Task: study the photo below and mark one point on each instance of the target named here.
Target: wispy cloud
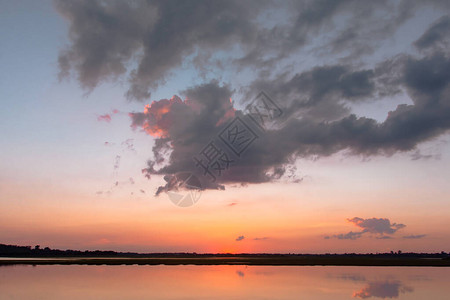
(346, 236)
(418, 236)
(104, 118)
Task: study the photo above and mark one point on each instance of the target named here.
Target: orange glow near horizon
(69, 217)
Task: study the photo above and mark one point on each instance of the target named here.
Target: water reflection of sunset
(222, 282)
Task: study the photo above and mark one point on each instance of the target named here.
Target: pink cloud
(105, 117)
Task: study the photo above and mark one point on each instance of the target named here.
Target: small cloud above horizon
(381, 228)
(418, 236)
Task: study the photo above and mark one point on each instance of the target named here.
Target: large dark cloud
(316, 123)
(147, 40)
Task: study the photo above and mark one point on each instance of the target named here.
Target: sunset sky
(105, 102)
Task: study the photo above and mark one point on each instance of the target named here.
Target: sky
(291, 126)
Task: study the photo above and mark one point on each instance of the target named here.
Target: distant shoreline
(273, 260)
(26, 255)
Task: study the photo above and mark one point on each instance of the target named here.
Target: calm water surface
(222, 282)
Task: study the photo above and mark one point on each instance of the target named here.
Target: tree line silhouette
(37, 251)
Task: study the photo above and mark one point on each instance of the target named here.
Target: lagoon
(222, 282)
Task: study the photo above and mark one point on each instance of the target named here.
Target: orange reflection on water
(221, 282)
